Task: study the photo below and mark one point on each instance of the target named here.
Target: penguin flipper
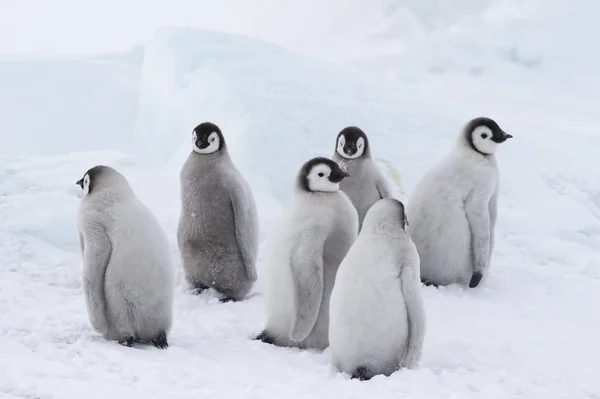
(475, 280)
(415, 311)
(246, 227)
(307, 270)
(478, 216)
(96, 256)
(383, 188)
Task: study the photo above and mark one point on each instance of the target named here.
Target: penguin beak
(202, 144)
(80, 183)
(337, 176)
(350, 149)
(502, 137)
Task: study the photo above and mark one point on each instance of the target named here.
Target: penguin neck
(386, 227)
(110, 194)
(302, 196)
(465, 148)
(350, 164)
(215, 156)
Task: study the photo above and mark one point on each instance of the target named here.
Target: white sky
(51, 27)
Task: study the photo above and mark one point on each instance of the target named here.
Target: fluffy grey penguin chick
(306, 249)
(366, 184)
(218, 225)
(128, 273)
(377, 318)
(453, 209)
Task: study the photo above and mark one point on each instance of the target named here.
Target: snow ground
(530, 332)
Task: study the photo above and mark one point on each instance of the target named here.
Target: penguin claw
(228, 299)
(161, 341)
(265, 337)
(475, 279)
(361, 373)
(428, 283)
(128, 342)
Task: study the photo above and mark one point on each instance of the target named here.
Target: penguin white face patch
(481, 137)
(86, 184)
(212, 144)
(352, 150)
(318, 179)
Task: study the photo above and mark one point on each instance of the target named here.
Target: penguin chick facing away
(218, 225)
(377, 319)
(305, 251)
(128, 273)
(366, 184)
(453, 208)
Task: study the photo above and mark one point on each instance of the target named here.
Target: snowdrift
(61, 105)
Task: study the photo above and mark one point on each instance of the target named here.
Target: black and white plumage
(218, 226)
(304, 253)
(453, 209)
(365, 184)
(128, 273)
(377, 318)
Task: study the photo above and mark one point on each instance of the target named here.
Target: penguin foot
(199, 289)
(265, 337)
(475, 279)
(428, 283)
(161, 341)
(229, 299)
(128, 342)
(362, 373)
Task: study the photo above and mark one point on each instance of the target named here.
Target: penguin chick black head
(352, 143)
(321, 174)
(207, 138)
(484, 135)
(386, 211)
(100, 176)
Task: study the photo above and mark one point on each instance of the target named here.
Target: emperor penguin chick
(128, 273)
(306, 249)
(366, 184)
(376, 317)
(218, 224)
(453, 208)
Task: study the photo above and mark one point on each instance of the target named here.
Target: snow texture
(530, 332)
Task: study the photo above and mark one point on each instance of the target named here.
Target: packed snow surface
(530, 332)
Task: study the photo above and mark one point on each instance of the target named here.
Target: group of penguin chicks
(344, 265)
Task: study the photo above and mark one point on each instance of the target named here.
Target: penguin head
(100, 177)
(207, 138)
(387, 211)
(352, 143)
(84, 183)
(321, 175)
(484, 135)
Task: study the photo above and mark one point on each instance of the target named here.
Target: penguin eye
(212, 139)
(484, 136)
(321, 174)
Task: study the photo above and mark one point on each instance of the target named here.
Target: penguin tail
(362, 373)
(265, 337)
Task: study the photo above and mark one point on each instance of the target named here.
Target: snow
(39, 97)
(531, 331)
